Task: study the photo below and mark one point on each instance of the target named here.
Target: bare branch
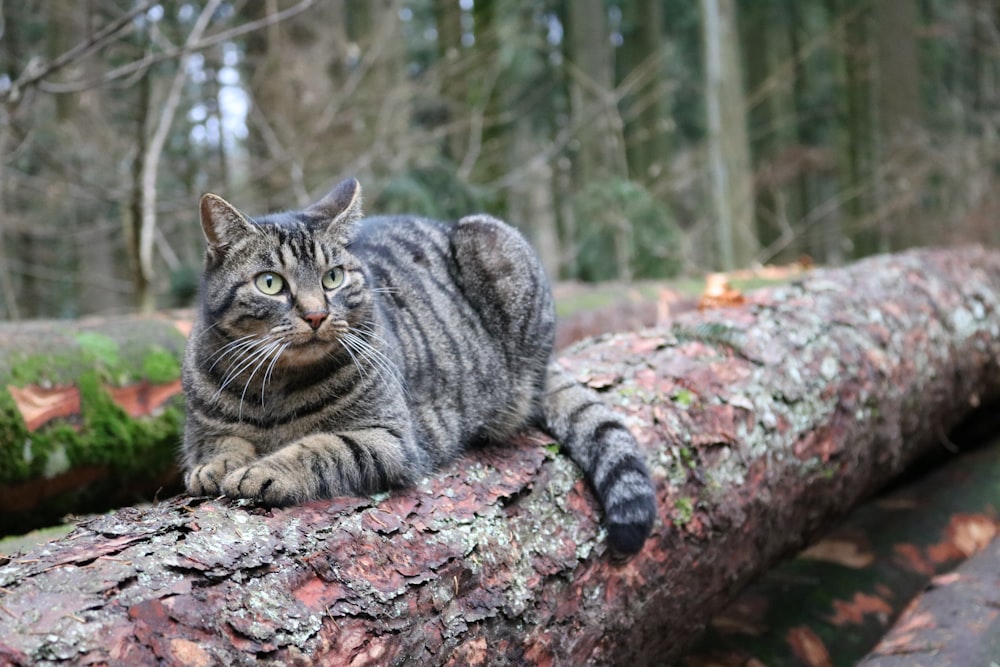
(169, 54)
(36, 70)
(151, 159)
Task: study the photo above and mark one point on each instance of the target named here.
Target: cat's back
(403, 242)
(470, 309)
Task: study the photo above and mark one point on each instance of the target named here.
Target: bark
(762, 424)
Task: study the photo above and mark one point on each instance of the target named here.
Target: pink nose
(314, 319)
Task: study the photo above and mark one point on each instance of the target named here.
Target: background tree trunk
(762, 425)
(728, 147)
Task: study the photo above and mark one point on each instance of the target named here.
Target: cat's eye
(269, 283)
(333, 278)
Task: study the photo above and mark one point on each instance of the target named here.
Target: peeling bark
(762, 424)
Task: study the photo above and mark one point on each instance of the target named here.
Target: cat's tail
(597, 439)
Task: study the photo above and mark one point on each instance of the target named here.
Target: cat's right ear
(221, 222)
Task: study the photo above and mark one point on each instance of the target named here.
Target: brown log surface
(762, 424)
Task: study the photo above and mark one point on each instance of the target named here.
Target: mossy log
(763, 424)
(90, 413)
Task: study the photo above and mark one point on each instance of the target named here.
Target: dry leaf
(719, 293)
(808, 647)
(853, 612)
(842, 551)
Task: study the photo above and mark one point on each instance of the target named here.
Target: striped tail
(599, 442)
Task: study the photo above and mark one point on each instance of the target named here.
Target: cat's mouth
(307, 344)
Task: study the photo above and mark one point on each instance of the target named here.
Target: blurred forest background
(627, 138)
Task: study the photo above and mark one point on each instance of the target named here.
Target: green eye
(269, 283)
(333, 278)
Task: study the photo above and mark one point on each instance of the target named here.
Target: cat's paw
(264, 483)
(230, 453)
(206, 480)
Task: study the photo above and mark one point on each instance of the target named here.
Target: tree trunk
(731, 174)
(762, 425)
(897, 98)
(954, 622)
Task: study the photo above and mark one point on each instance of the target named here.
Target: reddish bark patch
(39, 405)
(143, 398)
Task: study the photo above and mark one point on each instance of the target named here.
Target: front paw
(263, 483)
(206, 480)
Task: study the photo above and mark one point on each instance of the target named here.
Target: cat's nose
(314, 319)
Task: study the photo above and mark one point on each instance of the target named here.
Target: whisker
(347, 347)
(383, 365)
(251, 354)
(260, 358)
(270, 370)
(231, 348)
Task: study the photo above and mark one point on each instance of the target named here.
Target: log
(956, 622)
(90, 412)
(762, 425)
(833, 602)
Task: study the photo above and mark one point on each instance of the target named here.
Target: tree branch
(152, 59)
(151, 158)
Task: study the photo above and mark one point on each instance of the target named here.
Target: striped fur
(388, 346)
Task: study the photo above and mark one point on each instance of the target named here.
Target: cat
(334, 354)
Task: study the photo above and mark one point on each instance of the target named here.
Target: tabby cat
(336, 355)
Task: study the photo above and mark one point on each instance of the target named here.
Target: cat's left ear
(339, 209)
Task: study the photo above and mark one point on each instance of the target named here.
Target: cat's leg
(228, 454)
(327, 465)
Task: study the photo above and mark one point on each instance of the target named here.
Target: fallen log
(762, 424)
(90, 414)
(956, 622)
(833, 602)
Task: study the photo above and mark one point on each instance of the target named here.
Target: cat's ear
(340, 208)
(221, 222)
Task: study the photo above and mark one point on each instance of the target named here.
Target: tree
(728, 147)
(898, 103)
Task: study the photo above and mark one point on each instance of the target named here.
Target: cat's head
(285, 280)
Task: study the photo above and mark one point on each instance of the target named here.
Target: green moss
(683, 510)
(44, 369)
(104, 434)
(160, 365)
(683, 397)
(686, 455)
(98, 348)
